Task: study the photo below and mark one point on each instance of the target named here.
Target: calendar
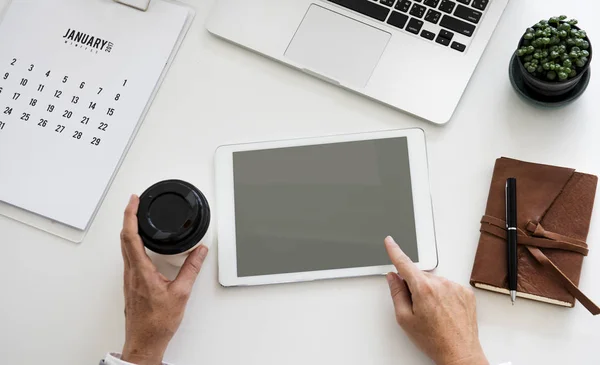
(76, 79)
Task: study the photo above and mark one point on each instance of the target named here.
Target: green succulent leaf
(573, 74)
(563, 26)
(551, 75)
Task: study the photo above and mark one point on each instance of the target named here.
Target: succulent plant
(555, 49)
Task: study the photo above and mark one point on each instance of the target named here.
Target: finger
(400, 296)
(130, 239)
(186, 278)
(406, 268)
(126, 264)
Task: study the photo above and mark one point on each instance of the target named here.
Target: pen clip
(506, 203)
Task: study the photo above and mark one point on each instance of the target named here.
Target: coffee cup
(173, 218)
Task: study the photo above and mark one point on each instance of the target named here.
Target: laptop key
(433, 16)
(403, 5)
(387, 2)
(458, 46)
(480, 4)
(469, 14)
(418, 10)
(447, 6)
(414, 25)
(457, 25)
(445, 34)
(432, 3)
(427, 35)
(365, 7)
(443, 41)
(398, 19)
(466, 2)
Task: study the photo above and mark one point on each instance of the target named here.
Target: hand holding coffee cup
(173, 218)
(154, 305)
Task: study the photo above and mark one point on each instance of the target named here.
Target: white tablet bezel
(225, 209)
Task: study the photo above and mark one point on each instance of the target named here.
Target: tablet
(320, 208)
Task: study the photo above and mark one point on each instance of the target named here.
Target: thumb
(401, 297)
(189, 271)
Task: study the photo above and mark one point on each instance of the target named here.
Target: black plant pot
(553, 88)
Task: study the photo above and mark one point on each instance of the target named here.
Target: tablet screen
(322, 207)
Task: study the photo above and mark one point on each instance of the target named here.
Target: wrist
(143, 354)
(471, 358)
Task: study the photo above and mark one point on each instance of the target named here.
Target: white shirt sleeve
(115, 359)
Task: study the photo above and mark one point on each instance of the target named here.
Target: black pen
(511, 236)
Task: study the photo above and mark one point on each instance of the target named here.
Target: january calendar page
(76, 77)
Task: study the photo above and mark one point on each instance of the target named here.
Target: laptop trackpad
(337, 47)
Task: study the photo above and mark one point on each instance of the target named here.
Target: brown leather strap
(564, 280)
(537, 230)
(498, 223)
(497, 227)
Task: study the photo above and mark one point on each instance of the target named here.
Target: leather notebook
(554, 208)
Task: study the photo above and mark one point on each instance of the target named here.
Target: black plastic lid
(173, 217)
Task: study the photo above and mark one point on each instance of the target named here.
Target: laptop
(414, 55)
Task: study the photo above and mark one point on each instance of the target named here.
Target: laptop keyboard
(434, 20)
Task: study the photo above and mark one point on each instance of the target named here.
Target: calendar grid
(50, 99)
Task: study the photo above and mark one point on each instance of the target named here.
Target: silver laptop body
(416, 56)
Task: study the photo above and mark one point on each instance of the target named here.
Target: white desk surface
(64, 301)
